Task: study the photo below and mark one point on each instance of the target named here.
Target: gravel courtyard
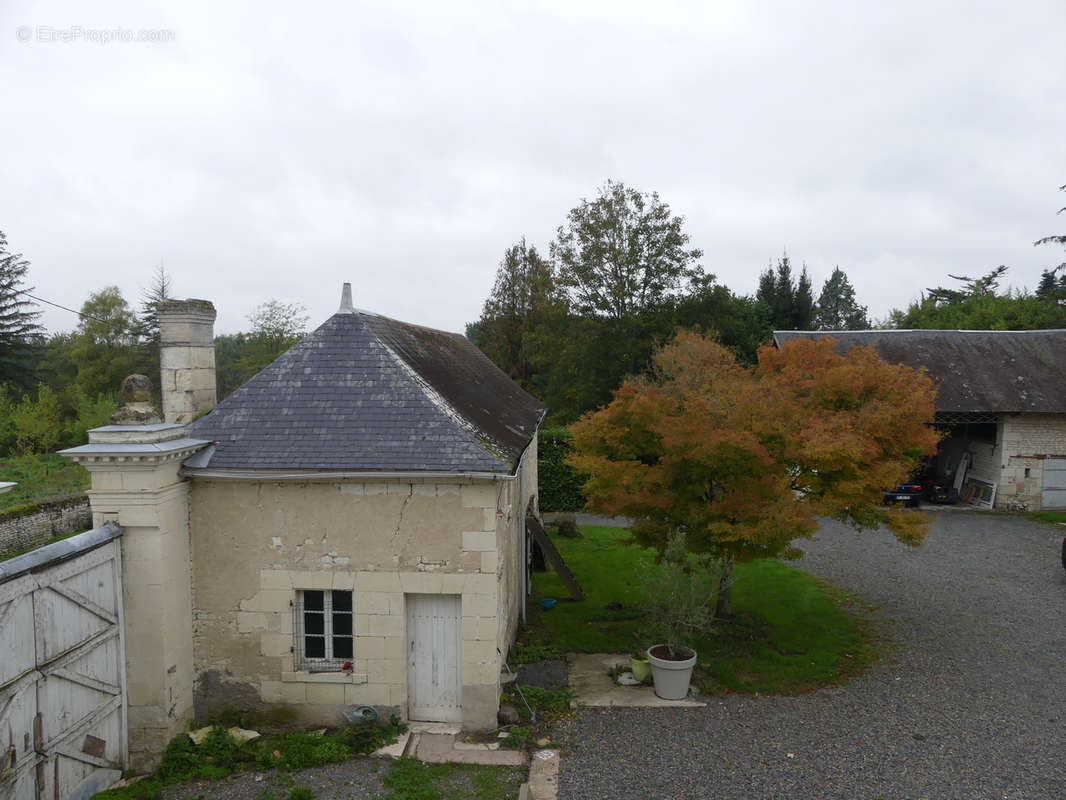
(968, 700)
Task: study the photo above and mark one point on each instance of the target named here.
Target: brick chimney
(186, 359)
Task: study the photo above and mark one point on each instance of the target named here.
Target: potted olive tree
(681, 598)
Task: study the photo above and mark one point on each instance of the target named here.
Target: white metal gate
(434, 640)
(62, 679)
(1054, 494)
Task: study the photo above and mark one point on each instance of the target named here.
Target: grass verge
(786, 635)
(41, 477)
(1049, 516)
(410, 779)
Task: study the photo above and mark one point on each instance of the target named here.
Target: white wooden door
(434, 640)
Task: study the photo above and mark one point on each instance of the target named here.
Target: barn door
(434, 692)
(1054, 493)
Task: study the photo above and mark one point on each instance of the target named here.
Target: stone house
(1001, 397)
(347, 528)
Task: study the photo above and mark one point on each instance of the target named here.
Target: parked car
(907, 493)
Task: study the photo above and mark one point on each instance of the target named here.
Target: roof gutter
(320, 475)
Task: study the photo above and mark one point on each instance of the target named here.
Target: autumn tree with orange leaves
(744, 461)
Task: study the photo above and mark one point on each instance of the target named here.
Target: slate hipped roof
(1001, 372)
(368, 393)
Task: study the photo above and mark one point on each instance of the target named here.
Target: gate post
(136, 483)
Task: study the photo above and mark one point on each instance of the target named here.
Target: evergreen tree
(156, 293)
(837, 308)
(524, 296)
(18, 320)
(1060, 239)
(803, 303)
(788, 304)
(783, 305)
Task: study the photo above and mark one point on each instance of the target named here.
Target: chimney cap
(346, 300)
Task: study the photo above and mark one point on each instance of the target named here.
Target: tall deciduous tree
(18, 319)
(276, 326)
(623, 253)
(837, 308)
(279, 325)
(106, 347)
(744, 461)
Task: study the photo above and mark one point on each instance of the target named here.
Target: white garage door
(1054, 495)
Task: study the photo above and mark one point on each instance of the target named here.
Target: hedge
(560, 486)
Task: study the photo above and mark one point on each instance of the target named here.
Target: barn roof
(975, 371)
(368, 393)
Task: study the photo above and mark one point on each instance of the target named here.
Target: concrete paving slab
(592, 686)
(436, 748)
(394, 750)
(544, 775)
(477, 745)
(444, 728)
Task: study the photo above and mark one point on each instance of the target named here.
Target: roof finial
(346, 300)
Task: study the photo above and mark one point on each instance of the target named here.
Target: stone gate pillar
(136, 482)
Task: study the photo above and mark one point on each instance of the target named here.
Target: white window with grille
(322, 628)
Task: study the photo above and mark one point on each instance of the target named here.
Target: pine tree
(789, 304)
(803, 303)
(156, 293)
(837, 308)
(1056, 240)
(784, 295)
(523, 297)
(18, 319)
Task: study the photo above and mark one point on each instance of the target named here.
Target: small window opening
(323, 630)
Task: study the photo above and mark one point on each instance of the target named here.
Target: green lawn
(786, 635)
(1049, 516)
(40, 477)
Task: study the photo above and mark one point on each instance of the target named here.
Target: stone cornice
(132, 455)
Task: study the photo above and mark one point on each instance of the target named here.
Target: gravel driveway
(969, 700)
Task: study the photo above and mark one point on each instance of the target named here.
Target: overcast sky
(274, 154)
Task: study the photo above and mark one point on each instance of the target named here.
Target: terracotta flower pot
(672, 676)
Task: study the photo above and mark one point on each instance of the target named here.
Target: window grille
(322, 627)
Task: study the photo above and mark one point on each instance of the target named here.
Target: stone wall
(1027, 440)
(510, 538)
(28, 527)
(255, 545)
(1035, 435)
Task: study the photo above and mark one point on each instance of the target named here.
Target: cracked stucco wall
(255, 544)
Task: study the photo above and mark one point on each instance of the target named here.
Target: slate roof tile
(975, 371)
(364, 392)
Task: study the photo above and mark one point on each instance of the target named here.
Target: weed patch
(218, 755)
(516, 738)
(291, 751)
(409, 779)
